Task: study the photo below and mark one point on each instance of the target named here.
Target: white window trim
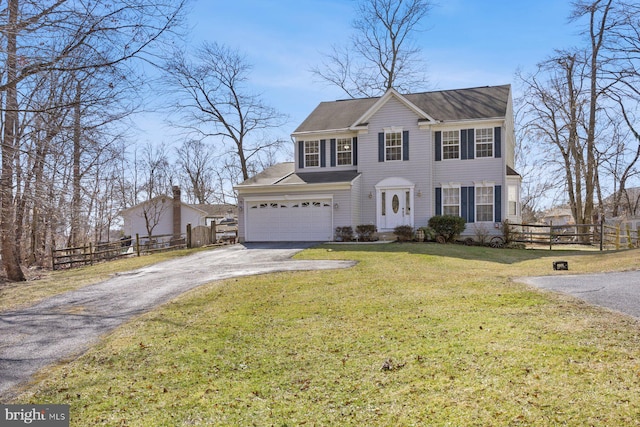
(338, 152)
(493, 200)
(450, 145)
(476, 143)
(516, 201)
(305, 153)
(450, 187)
(389, 131)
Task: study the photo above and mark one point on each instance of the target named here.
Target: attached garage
(289, 220)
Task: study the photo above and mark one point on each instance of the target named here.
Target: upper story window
(343, 151)
(451, 201)
(484, 204)
(311, 153)
(393, 146)
(450, 144)
(484, 142)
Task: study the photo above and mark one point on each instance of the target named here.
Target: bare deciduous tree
(49, 36)
(155, 171)
(576, 99)
(196, 161)
(215, 102)
(381, 54)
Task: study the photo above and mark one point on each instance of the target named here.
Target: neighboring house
(389, 161)
(628, 204)
(169, 217)
(557, 216)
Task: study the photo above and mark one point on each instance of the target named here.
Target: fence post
(138, 244)
(550, 235)
(601, 234)
(188, 236)
(90, 253)
(214, 235)
(617, 237)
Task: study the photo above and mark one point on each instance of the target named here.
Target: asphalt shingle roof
(459, 104)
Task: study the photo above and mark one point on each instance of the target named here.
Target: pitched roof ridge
(420, 93)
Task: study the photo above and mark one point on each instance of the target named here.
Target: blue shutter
(301, 154)
(497, 142)
(471, 203)
(467, 203)
(438, 201)
(333, 151)
(323, 153)
(464, 204)
(463, 144)
(405, 145)
(438, 145)
(497, 201)
(381, 147)
(354, 150)
(471, 144)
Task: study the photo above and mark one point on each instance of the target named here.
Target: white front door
(397, 207)
(394, 203)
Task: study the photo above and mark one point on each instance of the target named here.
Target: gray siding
(417, 169)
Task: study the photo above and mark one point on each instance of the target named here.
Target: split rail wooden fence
(136, 246)
(601, 236)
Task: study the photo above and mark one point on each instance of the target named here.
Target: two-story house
(391, 160)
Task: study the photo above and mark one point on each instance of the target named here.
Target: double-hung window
(343, 151)
(311, 153)
(484, 142)
(484, 204)
(451, 201)
(393, 146)
(513, 200)
(450, 144)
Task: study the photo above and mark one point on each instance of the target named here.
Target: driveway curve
(64, 326)
(618, 291)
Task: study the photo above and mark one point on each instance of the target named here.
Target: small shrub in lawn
(482, 234)
(429, 234)
(448, 226)
(365, 232)
(403, 233)
(508, 232)
(344, 234)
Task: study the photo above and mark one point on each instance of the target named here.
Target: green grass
(414, 334)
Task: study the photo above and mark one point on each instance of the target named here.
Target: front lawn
(415, 334)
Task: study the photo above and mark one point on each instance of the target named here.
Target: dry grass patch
(412, 335)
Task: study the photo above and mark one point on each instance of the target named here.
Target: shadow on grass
(475, 253)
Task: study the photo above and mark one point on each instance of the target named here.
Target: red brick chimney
(177, 213)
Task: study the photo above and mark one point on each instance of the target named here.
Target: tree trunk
(74, 234)
(10, 258)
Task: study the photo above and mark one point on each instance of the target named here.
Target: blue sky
(464, 43)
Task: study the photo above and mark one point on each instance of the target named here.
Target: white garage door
(282, 220)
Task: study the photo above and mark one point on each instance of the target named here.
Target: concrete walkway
(63, 327)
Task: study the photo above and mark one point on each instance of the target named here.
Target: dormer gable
(361, 122)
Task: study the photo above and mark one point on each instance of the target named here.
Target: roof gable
(391, 93)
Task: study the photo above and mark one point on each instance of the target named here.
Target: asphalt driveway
(616, 291)
(63, 327)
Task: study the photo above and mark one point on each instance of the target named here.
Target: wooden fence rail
(139, 245)
(600, 235)
(106, 251)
